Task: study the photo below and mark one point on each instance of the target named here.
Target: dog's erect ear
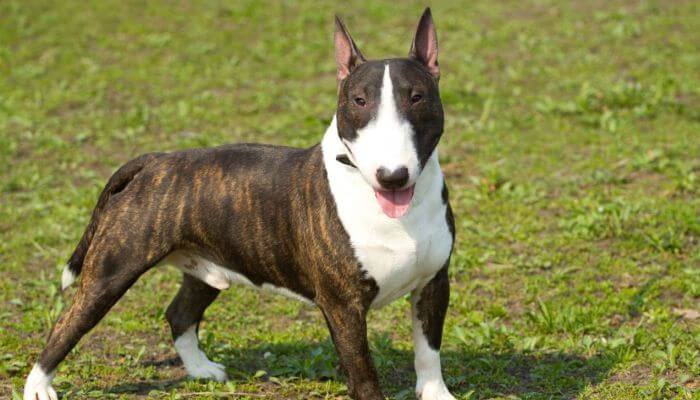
(425, 45)
(347, 55)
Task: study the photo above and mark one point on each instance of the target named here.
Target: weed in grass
(600, 218)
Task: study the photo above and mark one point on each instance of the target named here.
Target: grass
(571, 149)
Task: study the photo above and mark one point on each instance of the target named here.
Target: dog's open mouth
(395, 203)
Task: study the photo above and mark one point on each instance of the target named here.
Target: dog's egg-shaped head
(390, 116)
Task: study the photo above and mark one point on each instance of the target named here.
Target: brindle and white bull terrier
(350, 224)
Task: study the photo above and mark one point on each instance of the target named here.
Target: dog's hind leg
(114, 262)
(183, 315)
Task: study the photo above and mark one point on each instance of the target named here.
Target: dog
(350, 224)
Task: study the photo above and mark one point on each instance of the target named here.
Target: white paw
(196, 362)
(205, 369)
(38, 385)
(433, 390)
(40, 393)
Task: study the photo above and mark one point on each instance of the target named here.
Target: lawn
(572, 152)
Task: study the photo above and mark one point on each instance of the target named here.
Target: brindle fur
(265, 212)
(212, 202)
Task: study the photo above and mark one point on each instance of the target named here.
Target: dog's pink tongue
(394, 203)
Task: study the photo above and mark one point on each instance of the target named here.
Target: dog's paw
(206, 369)
(38, 385)
(40, 393)
(434, 390)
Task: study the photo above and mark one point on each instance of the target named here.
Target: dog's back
(259, 211)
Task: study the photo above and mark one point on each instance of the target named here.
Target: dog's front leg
(429, 305)
(348, 326)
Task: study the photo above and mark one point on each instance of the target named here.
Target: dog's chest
(402, 257)
(398, 254)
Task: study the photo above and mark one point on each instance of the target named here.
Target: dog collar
(344, 159)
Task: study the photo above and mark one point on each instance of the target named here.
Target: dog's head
(389, 113)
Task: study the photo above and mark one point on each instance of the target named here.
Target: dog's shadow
(483, 373)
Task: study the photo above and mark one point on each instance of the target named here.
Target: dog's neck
(345, 178)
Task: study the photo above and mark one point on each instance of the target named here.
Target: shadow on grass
(508, 373)
(485, 373)
(143, 388)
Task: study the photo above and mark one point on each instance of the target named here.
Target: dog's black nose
(392, 179)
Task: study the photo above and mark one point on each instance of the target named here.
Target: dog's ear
(425, 44)
(347, 55)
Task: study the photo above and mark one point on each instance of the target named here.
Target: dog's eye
(360, 101)
(416, 98)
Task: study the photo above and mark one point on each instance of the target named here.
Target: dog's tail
(116, 184)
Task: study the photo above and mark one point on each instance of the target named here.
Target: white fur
(208, 272)
(286, 293)
(386, 141)
(220, 277)
(429, 383)
(402, 253)
(38, 385)
(196, 362)
(67, 278)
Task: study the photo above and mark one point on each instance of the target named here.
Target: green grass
(571, 149)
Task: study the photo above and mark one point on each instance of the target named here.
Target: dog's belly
(220, 277)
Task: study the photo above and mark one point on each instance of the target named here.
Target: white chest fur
(399, 254)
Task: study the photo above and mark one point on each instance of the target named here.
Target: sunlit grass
(571, 150)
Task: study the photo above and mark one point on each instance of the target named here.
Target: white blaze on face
(386, 141)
